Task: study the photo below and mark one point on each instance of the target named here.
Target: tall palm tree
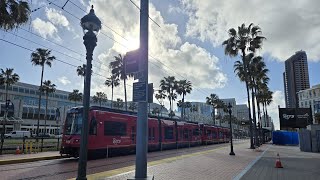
(221, 105)
(41, 57)
(100, 97)
(213, 101)
(75, 96)
(13, 14)
(168, 85)
(81, 70)
(112, 81)
(184, 87)
(7, 78)
(246, 39)
(47, 89)
(118, 70)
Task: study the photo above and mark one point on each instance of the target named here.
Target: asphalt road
(67, 168)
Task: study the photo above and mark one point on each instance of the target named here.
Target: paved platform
(296, 165)
(209, 164)
(22, 158)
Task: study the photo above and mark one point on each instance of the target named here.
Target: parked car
(58, 135)
(18, 134)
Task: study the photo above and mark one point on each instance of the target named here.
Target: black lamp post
(91, 26)
(231, 143)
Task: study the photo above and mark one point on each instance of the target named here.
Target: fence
(30, 145)
(285, 138)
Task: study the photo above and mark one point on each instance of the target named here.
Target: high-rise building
(295, 78)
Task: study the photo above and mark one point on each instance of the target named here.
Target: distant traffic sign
(139, 92)
(131, 61)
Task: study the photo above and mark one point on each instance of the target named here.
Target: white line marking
(243, 172)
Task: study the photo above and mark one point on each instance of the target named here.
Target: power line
(198, 89)
(148, 14)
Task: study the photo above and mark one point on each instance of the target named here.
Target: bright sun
(131, 44)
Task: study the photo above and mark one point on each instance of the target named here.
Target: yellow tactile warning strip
(114, 172)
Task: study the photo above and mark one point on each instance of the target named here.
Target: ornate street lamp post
(231, 143)
(91, 26)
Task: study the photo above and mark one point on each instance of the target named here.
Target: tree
(184, 87)
(112, 81)
(118, 70)
(47, 89)
(100, 97)
(246, 39)
(213, 101)
(75, 96)
(317, 118)
(41, 57)
(118, 104)
(168, 85)
(161, 96)
(13, 14)
(155, 111)
(132, 106)
(7, 78)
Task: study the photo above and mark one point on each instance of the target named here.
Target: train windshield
(73, 123)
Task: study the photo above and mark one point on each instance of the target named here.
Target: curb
(24, 160)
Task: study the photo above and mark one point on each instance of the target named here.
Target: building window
(21, 89)
(15, 88)
(112, 128)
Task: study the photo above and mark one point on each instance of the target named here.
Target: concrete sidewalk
(208, 164)
(296, 165)
(23, 158)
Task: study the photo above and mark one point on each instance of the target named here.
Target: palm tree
(184, 87)
(213, 101)
(81, 70)
(13, 14)
(118, 70)
(246, 39)
(47, 89)
(221, 105)
(41, 57)
(7, 78)
(112, 81)
(132, 106)
(168, 85)
(119, 103)
(75, 96)
(161, 96)
(317, 117)
(100, 97)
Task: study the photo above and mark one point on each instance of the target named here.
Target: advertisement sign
(295, 117)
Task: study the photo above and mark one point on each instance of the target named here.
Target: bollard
(30, 150)
(26, 149)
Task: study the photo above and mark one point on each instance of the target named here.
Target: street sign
(139, 92)
(131, 61)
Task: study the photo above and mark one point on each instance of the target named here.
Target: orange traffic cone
(18, 150)
(278, 162)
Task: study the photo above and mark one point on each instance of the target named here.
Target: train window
(214, 134)
(168, 133)
(153, 133)
(93, 126)
(181, 133)
(112, 128)
(149, 134)
(185, 134)
(196, 132)
(208, 132)
(133, 133)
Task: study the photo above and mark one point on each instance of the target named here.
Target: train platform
(207, 164)
(212, 164)
(23, 158)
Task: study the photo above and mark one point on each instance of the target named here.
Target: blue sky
(187, 43)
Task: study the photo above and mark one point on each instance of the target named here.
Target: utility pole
(142, 121)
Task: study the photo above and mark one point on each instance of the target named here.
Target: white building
(310, 98)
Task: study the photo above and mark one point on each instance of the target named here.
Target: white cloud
(186, 59)
(64, 80)
(45, 29)
(56, 17)
(288, 28)
(273, 112)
